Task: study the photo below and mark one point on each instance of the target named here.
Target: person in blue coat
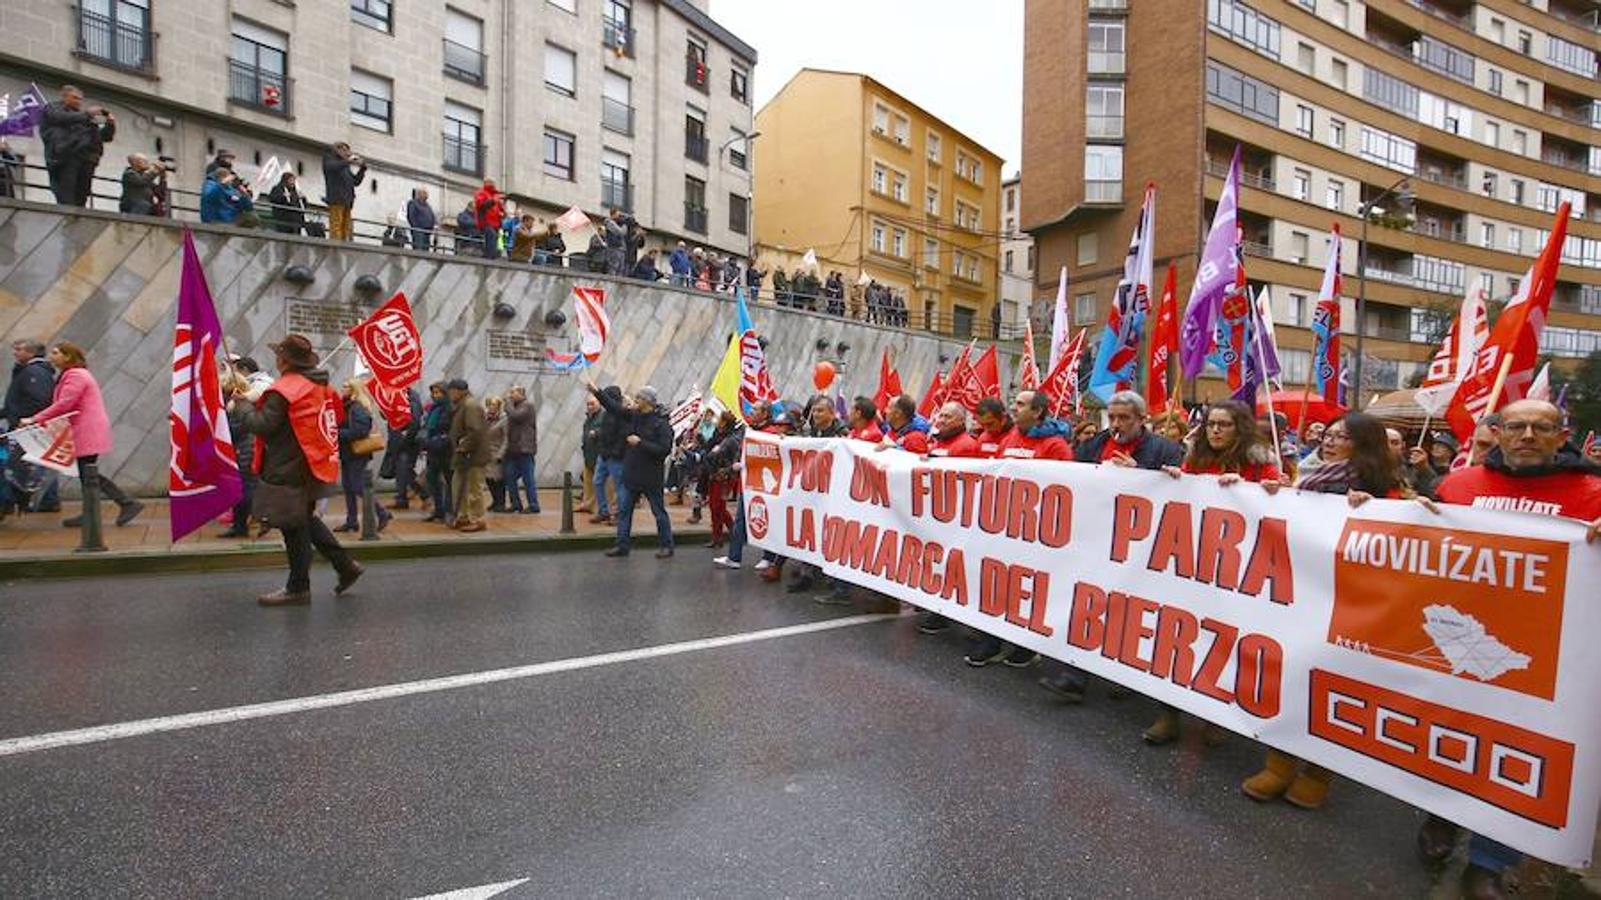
(679, 263)
(223, 200)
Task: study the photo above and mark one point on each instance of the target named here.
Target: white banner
(1432, 656)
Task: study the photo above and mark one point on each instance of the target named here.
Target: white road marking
(483, 892)
(101, 733)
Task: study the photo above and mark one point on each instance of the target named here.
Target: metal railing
(696, 147)
(697, 74)
(259, 88)
(1107, 62)
(617, 37)
(1442, 14)
(1565, 162)
(618, 194)
(1257, 248)
(1220, 169)
(617, 116)
(463, 155)
(1451, 179)
(464, 62)
(694, 218)
(121, 44)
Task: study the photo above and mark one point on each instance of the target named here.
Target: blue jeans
(1488, 854)
(438, 475)
(626, 498)
(519, 467)
(607, 469)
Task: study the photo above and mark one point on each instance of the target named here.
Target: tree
(1584, 395)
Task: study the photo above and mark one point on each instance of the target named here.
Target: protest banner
(1433, 656)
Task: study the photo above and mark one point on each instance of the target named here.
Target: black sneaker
(616, 552)
(1021, 658)
(129, 512)
(1066, 685)
(932, 623)
(984, 651)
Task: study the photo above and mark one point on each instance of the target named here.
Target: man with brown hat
(469, 435)
(296, 425)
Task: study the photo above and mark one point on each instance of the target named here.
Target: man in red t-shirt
(950, 437)
(863, 419)
(1036, 435)
(907, 430)
(1532, 468)
(994, 425)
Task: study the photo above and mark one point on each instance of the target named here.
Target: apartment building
(1017, 261)
(880, 188)
(1452, 128)
(640, 104)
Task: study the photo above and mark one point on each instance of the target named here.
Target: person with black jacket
(33, 383)
(648, 439)
(339, 188)
(550, 250)
(420, 216)
(609, 447)
(139, 182)
(287, 205)
(400, 455)
(436, 443)
(74, 138)
(10, 171)
(590, 445)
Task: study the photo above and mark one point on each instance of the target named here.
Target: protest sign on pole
(1439, 657)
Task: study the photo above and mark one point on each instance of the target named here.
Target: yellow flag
(725, 384)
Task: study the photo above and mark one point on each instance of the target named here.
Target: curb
(83, 565)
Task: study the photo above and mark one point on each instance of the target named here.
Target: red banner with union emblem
(389, 343)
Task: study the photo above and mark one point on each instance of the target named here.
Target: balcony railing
(1103, 191)
(1257, 248)
(1565, 161)
(696, 147)
(1443, 14)
(1107, 62)
(1590, 20)
(617, 37)
(125, 45)
(462, 155)
(617, 116)
(697, 74)
(1103, 126)
(1263, 181)
(256, 87)
(694, 218)
(464, 62)
(619, 194)
(1451, 179)
(1583, 115)
(1448, 231)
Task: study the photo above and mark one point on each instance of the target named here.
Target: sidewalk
(35, 544)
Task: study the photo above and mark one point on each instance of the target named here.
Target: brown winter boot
(1274, 779)
(1165, 729)
(1310, 788)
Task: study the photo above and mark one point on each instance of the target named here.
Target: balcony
(258, 88)
(1262, 180)
(617, 116)
(1576, 14)
(1556, 157)
(696, 147)
(123, 45)
(1460, 20)
(1257, 248)
(618, 194)
(1443, 229)
(462, 155)
(463, 62)
(617, 37)
(694, 218)
(697, 74)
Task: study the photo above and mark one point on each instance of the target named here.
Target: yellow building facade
(879, 189)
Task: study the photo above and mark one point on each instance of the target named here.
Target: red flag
(1508, 357)
(1062, 384)
(975, 382)
(958, 371)
(889, 383)
(933, 397)
(392, 402)
(1028, 370)
(389, 342)
(1164, 343)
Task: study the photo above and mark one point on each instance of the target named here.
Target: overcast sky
(961, 60)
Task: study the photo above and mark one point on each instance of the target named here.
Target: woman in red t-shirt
(1228, 446)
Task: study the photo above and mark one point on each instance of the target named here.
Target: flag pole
(1428, 416)
(1267, 384)
(1500, 382)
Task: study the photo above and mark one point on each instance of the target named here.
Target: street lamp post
(1404, 194)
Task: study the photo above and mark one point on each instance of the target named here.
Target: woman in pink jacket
(78, 393)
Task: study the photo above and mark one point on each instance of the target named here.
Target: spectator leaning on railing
(420, 216)
(288, 205)
(74, 139)
(339, 188)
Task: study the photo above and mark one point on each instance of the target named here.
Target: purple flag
(1215, 276)
(203, 479)
(24, 116)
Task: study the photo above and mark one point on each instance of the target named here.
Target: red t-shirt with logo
(1576, 495)
(960, 445)
(869, 433)
(989, 442)
(1017, 445)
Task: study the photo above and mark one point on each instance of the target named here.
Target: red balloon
(823, 375)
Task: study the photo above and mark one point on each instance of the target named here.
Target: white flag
(1061, 323)
(49, 445)
(1455, 359)
(1541, 388)
(810, 259)
(268, 176)
(573, 219)
(685, 415)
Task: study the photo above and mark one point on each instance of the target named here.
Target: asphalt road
(864, 760)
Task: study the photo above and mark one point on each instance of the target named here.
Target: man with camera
(74, 139)
(339, 188)
(140, 181)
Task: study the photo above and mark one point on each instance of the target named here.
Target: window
(1486, 283)
(616, 102)
(1525, 43)
(616, 26)
(561, 70)
(1342, 14)
(1570, 56)
(1296, 364)
(463, 149)
(257, 67)
(1337, 133)
(1011, 206)
(903, 131)
(1298, 247)
(370, 97)
(616, 190)
(1301, 184)
(1514, 240)
(1498, 31)
(1438, 274)
(464, 46)
(897, 186)
(933, 147)
(898, 242)
(956, 263)
(1495, 82)
(1335, 197)
(694, 205)
(116, 32)
(1517, 191)
(880, 179)
(1105, 48)
(1388, 150)
(1298, 310)
(1103, 110)
(696, 145)
(1490, 183)
(738, 214)
(1242, 93)
(371, 13)
(1031, 257)
(1520, 91)
(1445, 115)
(1087, 248)
(1008, 262)
(1390, 92)
(1487, 235)
(737, 149)
(930, 253)
(880, 237)
(1245, 25)
(1492, 133)
(880, 119)
(1084, 309)
(565, 5)
(1520, 142)
(931, 201)
(1305, 58)
(558, 155)
(739, 84)
(1103, 174)
(1303, 120)
(1443, 58)
(696, 72)
(1340, 74)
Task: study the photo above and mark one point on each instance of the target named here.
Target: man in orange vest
(296, 424)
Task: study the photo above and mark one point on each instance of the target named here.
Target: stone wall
(110, 283)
